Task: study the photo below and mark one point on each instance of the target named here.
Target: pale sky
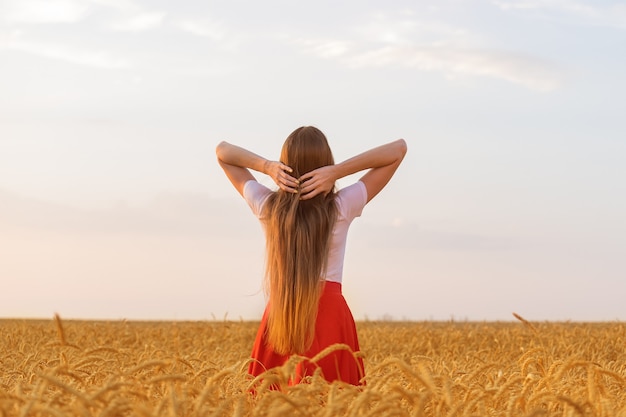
(511, 197)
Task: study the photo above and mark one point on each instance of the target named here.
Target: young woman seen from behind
(306, 223)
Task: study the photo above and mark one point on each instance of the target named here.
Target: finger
(285, 174)
(287, 183)
(288, 180)
(306, 176)
(291, 180)
(307, 196)
(288, 189)
(307, 188)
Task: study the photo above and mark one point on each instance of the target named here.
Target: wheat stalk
(60, 330)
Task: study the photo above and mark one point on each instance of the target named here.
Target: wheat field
(123, 368)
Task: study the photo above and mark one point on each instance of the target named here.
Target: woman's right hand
(319, 181)
(279, 173)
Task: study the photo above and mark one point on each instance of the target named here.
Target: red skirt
(334, 325)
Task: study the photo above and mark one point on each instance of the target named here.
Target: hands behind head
(318, 181)
(279, 173)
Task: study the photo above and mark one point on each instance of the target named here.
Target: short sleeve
(352, 200)
(255, 195)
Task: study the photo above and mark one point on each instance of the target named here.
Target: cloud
(453, 61)
(90, 58)
(123, 5)
(205, 29)
(405, 42)
(515, 68)
(139, 22)
(323, 48)
(131, 17)
(221, 35)
(44, 11)
(610, 15)
(406, 29)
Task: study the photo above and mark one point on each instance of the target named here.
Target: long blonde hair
(298, 238)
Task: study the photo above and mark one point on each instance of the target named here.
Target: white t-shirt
(350, 202)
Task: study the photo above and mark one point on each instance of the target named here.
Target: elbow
(220, 149)
(401, 148)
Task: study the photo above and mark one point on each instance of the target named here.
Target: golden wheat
(107, 369)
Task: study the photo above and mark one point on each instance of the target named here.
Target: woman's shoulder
(355, 191)
(352, 199)
(255, 187)
(255, 195)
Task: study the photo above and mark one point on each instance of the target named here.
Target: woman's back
(349, 201)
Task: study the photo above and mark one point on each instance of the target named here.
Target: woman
(306, 224)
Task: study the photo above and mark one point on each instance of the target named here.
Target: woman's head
(306, 149)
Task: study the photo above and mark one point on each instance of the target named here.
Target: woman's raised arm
(237, 163)
(381, 161)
